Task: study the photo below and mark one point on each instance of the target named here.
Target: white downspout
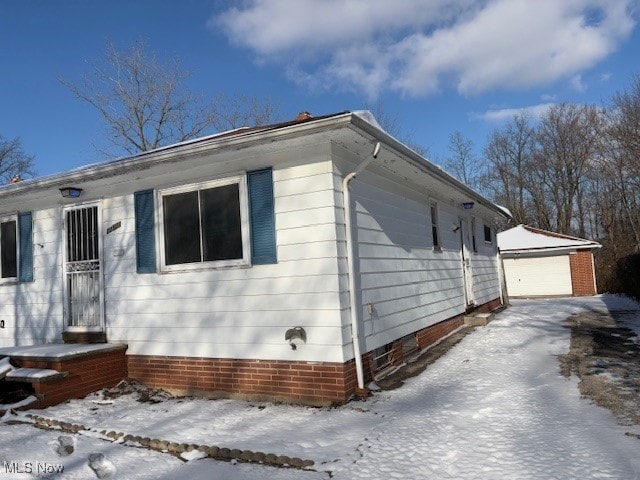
(351, 266)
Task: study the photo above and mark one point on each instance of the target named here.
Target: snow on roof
(524, 237)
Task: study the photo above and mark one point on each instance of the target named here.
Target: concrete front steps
(478, 319)
(55, 373)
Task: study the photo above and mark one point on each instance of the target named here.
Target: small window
(473, 235)
(205, 225)
(8, 249)
(435, 232)
(487, 233)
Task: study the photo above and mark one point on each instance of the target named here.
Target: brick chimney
(302, 116)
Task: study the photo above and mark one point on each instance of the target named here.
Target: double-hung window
(474, 245)
(205, 225)
(8, 249)
(487, 234)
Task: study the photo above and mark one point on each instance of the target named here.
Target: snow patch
(193, 455)
(5, 367)
(102, 467)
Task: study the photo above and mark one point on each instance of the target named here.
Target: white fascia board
(425, 165)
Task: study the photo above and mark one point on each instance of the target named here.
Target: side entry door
(466, 250)
(84, 308)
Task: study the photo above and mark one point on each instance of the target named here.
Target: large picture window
(8, 249)
(205, 225)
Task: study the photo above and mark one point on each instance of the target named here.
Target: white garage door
(544, 276)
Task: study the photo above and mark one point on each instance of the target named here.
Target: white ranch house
(228, 265)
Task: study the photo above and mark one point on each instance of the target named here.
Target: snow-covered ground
(495, 406)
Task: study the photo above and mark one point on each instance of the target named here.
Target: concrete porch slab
(59, 351)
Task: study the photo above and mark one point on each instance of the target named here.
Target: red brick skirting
(582, 275)
(311, 383)
(86, 374)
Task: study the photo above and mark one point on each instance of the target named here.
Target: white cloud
(504, 114)
(417, 46)
(577, 84)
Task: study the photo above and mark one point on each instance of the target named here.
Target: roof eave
(145, 160)
(551, 249)
(423, 164)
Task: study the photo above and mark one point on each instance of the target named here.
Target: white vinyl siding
(236, 312)
(32, 311)
(406, 284)
(538, 276)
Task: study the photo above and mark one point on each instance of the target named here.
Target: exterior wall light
(468, 205)
(70, 192)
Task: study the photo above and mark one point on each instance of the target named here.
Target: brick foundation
(311, 383)
(86, 374)
(298, 382)
(582, 275)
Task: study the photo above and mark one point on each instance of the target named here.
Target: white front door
(83, 269)
(465, 251)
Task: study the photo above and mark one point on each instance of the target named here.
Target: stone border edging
(164, 446)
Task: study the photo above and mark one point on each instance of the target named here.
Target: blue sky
(436, 65)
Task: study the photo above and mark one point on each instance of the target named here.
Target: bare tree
(568, 140)
(462, 162)
(14, 162)
(393, 126)
(145, 104)
(624, 164)
(509, 153)
(236, 111)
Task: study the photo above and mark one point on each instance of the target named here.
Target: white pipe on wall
(351, 266)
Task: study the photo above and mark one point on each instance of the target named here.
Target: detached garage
(539, 263)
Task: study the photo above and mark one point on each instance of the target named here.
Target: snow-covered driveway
(494, 407)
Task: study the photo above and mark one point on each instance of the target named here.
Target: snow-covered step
(478, 319)
(34, 375)
(5, 367)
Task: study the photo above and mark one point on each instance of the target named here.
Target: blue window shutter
(25, 226)
(145, 232)
(262, 217)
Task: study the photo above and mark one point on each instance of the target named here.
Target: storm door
(82, 271)
(466, 248)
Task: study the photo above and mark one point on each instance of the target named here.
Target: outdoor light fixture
(70, 192)
(468, 205)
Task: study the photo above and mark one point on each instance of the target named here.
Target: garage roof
(524, 238)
